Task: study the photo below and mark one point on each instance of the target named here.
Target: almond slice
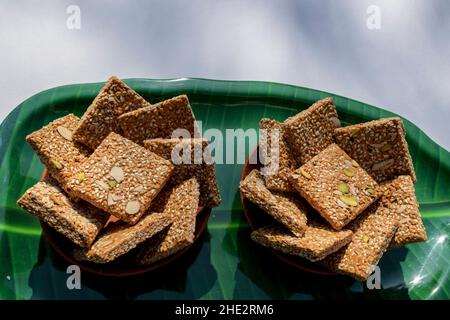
(117, 173)
(132, 207)
(64, 132)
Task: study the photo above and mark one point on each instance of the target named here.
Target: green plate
(224, 264)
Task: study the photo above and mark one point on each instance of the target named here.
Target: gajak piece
(278, 179)
(285, 209)
(336, 186)
(56, 149)
(160, 120)
(318, 241)
(78, 221)
(311, 131)
(191, 158)
(120, 238)
(121, 178)
(400, 199)
(372, 233)
(182, 203)
(379, 146)
(101, 117)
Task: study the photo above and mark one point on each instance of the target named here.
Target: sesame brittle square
(57, 150)
(400, 199)
(336, 186)
(101, 118)
(160, 120)
(121, 178)
(181, 202)
(372, 233)
(79, 222)
(379, 146)
(311, 131)
(285, 209)
(318, 241)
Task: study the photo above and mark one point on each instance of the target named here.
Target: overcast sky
(403, 67)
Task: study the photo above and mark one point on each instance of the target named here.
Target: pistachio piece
(132, 207)
(349, 172)
(355, 164)
(305, 173)
(354, 131)
(112, 183)
(58, 165)
(387, 193)
(81, 176)
(366, 238)
(102, 185)
(343, 187)
(349, 200)
(386, 147)
(64, 132)
(117, 173)
(370, 191)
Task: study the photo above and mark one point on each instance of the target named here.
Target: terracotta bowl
(123, 266)
(257, 218)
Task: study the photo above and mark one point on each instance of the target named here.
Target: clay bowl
(123, 266)
(257, 218)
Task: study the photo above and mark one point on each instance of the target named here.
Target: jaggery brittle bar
(379, 146)
(278, 179)
(79, 222)
(336, 186)
(121, 178)
(318, 241)
(311, 131)
(57, 150)
(101, 117)
(120, 238)
(182, 203)
(192, 158)
(160, 120)
(372, 233)
(285, 209)
(400, 199)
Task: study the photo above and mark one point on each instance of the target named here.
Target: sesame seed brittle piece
(284, 208)
(121, 178)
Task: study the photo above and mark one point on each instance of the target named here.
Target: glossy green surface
(225, 264)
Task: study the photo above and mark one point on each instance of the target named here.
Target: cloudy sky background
(403, 67)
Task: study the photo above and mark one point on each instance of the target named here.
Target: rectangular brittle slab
(79, 222)
(121, 178)
(379, 146)
(101, 117)
(285, 209)
(372, 233)
(160, 120)
(318, 241)
(336, 186)
(182, 202)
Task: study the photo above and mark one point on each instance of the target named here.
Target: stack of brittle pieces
(112, 186)
(339, 196)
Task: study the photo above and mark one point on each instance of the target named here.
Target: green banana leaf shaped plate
(225, 263)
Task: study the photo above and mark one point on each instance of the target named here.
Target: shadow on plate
(190, 277)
